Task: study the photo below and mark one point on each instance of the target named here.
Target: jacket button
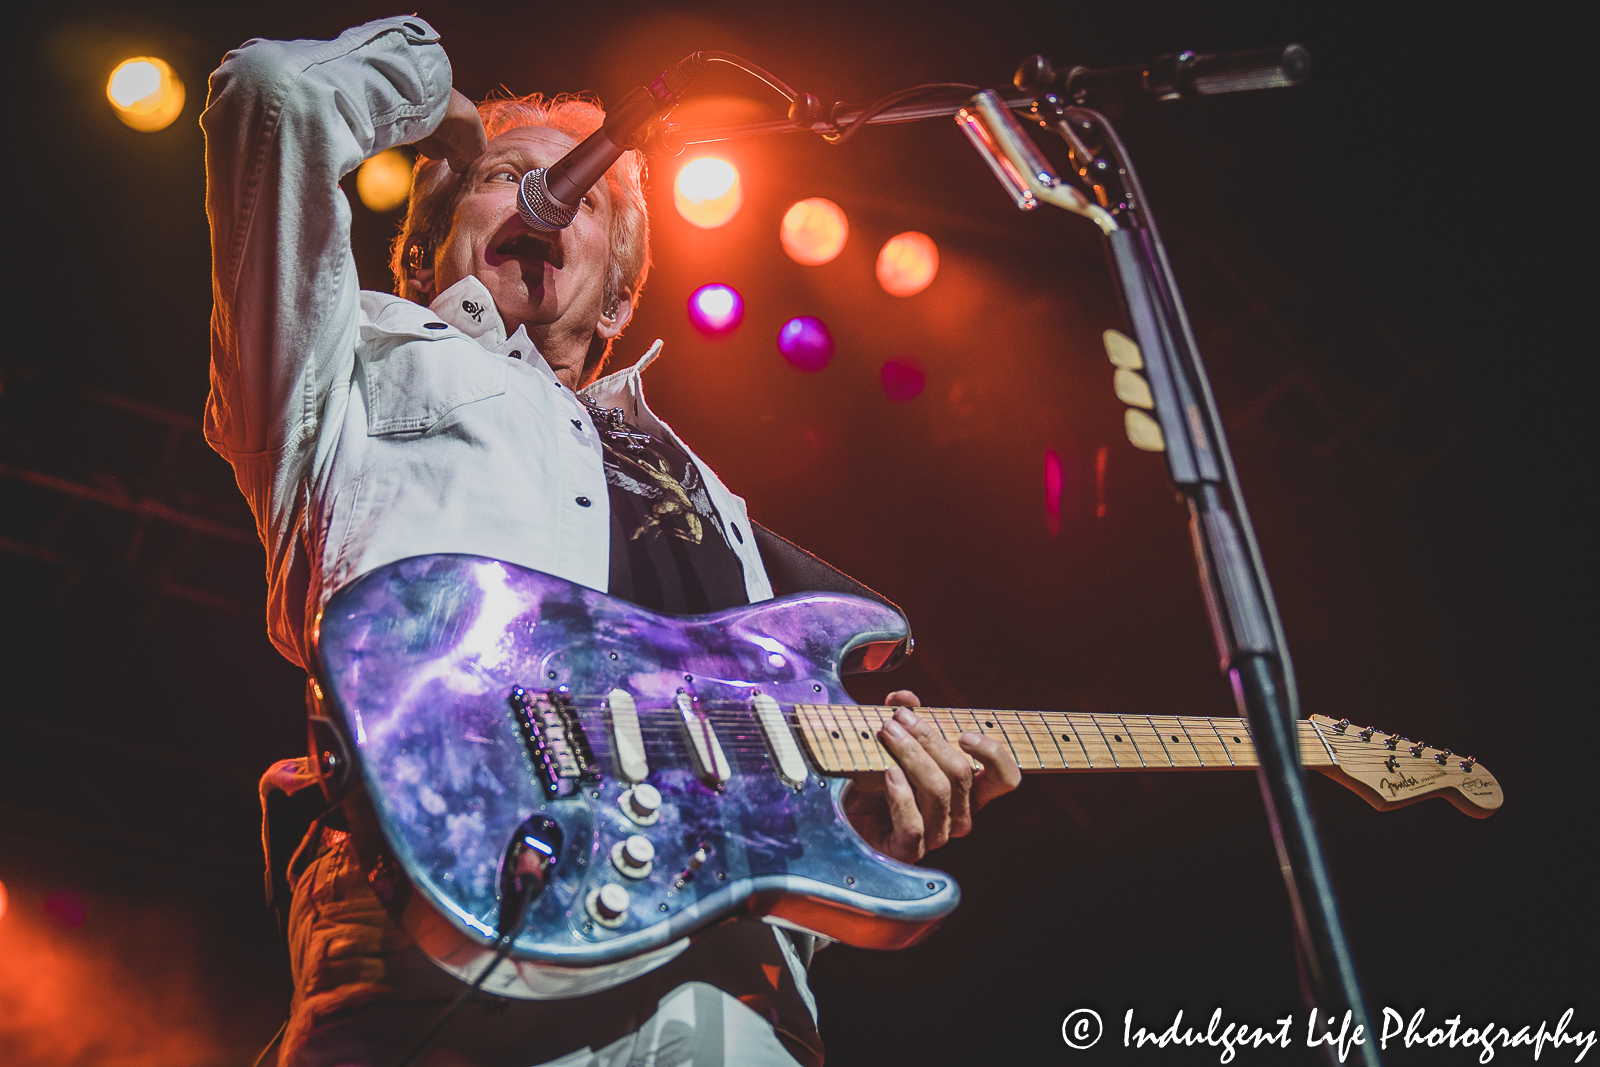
(434, 326)
(583, 501)
(516, 355)
(578, 424)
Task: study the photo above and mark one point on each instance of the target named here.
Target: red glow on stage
(907, 264)
(806, 343)
(66, 908)
(716, 309)
(1052, 492)
(902, 379)
(1100, 481)
(4, 900)
(813, 231)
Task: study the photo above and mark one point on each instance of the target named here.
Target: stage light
(145, 93)
(806, 343)
(907, 264)
(1052, 492)
(708, 192)
(716, 309)
(813, 231)
(3, 900)
(384, 181)
(902, 379)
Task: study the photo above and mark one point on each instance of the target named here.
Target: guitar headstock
(1390, 771)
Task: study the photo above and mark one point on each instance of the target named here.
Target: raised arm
(285, 121)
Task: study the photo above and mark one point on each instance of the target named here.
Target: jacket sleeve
(284, 122)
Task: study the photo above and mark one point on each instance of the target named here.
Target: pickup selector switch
(642, 803)
(608, 905)
(634, 857)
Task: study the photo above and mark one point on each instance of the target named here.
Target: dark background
(1405, 423)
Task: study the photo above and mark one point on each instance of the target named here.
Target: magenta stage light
(1052, 491)
(902, 379)
(806, 343)
(716, 309)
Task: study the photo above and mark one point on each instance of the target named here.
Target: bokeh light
(708, 192)
(384, 181)
(902, 379)
(716, 309)
(145, 93)
(806, 343)
(1052, 492)
(3, 900)
(907, 264)
(813, 231)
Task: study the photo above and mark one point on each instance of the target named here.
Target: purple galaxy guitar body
(474, 695)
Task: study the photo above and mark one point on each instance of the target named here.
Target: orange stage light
(384, 181)
(907, 264)
(813, 231)
(708, 192)
(145, 93)
(3, 900)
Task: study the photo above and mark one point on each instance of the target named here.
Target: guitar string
(856, 756)
(1311, 741)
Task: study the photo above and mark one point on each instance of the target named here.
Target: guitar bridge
(554, 738)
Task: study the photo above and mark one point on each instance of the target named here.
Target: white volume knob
(612, 901)
(645, 800)
(637, 851)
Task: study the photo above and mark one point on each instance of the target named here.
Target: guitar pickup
(709, 762)
(554, 738)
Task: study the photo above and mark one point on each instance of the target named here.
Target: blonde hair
(435, 189)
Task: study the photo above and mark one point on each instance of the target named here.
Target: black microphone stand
(1187, 428)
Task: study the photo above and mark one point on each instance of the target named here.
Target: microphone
(548, 197)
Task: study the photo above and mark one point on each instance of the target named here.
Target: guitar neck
(843, 739)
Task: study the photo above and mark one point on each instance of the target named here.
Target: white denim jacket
(364, 428)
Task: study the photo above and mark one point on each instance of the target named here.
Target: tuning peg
(1467, 763)
(1132, 389)
(1143, 431)
(1444, 755)
(1366, 735)
(1122, 351)
(1394, 739)
(1418, 748)
(1342, 725)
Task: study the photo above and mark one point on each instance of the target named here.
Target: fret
(1096, 742)
(865, 755)
(1235, 738)
(1147, 741)
(1181, 751)
(1074, 755)
(1043, 746)
(1207, 741)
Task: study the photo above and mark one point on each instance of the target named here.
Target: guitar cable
(510, 924)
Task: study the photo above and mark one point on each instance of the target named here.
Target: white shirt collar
(468, 307)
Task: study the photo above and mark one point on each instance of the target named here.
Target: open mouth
(528, 248)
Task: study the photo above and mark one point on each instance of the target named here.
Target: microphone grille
(538, 208)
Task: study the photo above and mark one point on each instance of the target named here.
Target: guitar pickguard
(421, 662)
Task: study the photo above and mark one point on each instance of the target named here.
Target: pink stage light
(806, 343)
(1052, 492)
(716, 309)
(902, 379)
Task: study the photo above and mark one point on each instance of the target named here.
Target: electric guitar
(674, 771)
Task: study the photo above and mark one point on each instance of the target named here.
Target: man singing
(462, 416)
